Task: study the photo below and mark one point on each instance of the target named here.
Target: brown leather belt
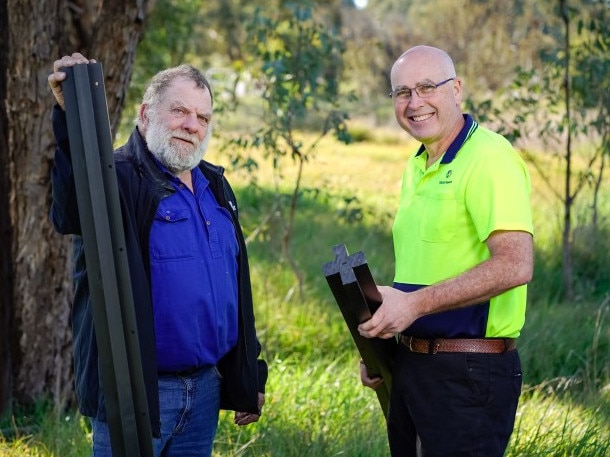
(477, 345)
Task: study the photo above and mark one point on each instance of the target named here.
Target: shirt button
(207, 222)
(168, 218)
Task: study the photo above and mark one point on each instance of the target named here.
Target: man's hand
(242, 418)
(393, 316)
(367, 381)
(55, 79)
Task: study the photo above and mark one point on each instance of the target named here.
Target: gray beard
(175, 157)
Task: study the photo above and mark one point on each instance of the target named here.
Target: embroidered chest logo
(447, 179)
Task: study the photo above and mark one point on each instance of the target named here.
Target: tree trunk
(6, 260)
(38, 313)
(567, 238)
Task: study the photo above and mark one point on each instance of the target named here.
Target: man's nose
(191, 123)
(415, 99)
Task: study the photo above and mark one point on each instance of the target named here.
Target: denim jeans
(189, 417)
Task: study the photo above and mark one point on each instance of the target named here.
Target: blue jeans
(189, 417)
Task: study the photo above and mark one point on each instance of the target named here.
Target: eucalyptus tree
(562, 106)
(35, 294)
(296, 59)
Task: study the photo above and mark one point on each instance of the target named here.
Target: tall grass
(39, 431)
(315, 404)
(314, 407)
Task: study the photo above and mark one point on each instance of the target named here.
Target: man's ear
(457, 90)
(143, 115)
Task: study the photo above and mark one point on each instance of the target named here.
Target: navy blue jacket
(141, 187)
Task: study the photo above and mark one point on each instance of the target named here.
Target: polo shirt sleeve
(498, 191)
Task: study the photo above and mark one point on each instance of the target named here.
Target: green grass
(315, 404)
(39, 431)
(313, 408)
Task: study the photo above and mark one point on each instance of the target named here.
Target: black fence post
(354, 289)
(106, 258)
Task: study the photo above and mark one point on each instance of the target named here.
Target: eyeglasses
(422, 90)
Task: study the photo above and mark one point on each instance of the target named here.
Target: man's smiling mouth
(422, 117)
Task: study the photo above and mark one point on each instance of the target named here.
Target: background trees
(556, 112)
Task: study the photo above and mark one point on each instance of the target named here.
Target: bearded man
(188, 266)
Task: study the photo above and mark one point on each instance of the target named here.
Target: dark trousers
(458, 404)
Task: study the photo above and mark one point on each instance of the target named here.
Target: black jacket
(141, 187)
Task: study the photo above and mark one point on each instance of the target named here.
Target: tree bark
(6, 236)
(37, 315)
(567, 236)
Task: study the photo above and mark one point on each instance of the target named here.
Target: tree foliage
(564, 104)
(296, 59)
(487, 39)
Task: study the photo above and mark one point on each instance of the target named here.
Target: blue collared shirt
(193, 262)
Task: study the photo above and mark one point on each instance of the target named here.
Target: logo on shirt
(447, 179)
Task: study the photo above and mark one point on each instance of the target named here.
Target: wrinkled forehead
(185, 91)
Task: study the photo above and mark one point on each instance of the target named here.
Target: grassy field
(315, 405)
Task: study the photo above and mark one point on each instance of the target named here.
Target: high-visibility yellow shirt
(447, 212)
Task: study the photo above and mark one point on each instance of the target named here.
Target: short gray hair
(159, 83)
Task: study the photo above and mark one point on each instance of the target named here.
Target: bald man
(463, 241)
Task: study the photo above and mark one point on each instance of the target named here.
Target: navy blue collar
(470, 125)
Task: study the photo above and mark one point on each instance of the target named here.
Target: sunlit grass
(41, 432)
(557, 425)
(315, 406)
(370, 171)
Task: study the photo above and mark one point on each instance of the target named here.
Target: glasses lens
(402, 94)
(425, 90)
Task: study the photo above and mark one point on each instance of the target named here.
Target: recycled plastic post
(354, 289)
(106, 258)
